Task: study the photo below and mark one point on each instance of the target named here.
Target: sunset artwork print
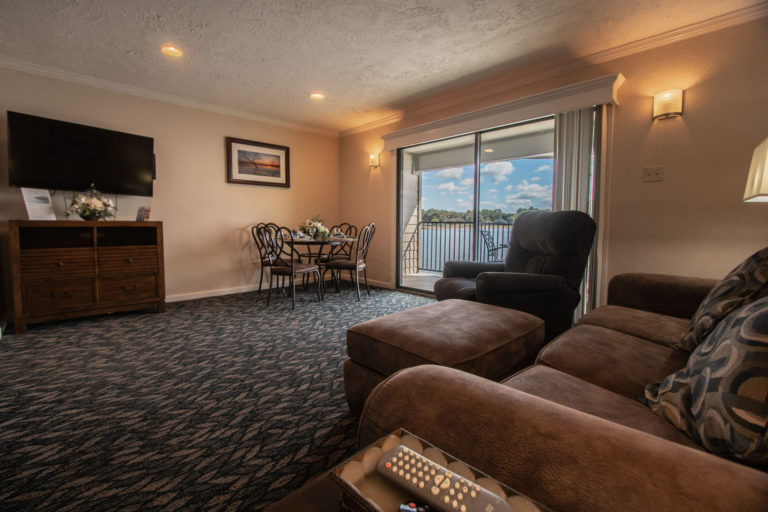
(257, 163)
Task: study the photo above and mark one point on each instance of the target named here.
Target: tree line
(496, 215)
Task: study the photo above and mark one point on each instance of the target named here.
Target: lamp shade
(668, 104)
(757, 181)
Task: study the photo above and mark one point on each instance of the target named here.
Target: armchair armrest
(564, 458)
(469, 269)
(671, 295)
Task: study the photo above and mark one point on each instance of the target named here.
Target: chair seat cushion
(567, 390)
(662, 329)
(299, 268)
(486, 340)
(455, 288)
(612, 360)
(720, 398)
(345, 264)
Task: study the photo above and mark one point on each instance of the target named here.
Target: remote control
(436, 485)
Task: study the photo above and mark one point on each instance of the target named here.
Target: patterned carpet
(217, 404)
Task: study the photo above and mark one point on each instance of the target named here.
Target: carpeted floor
(217, 404)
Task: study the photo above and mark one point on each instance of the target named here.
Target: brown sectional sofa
(570, 431)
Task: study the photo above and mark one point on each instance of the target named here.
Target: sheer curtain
(575, 179)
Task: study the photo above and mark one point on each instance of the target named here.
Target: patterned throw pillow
(745, 283)
(720, 398)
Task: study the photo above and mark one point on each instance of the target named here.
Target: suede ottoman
(489, 341)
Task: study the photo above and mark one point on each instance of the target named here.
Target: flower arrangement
(91, 205)
(314, 228)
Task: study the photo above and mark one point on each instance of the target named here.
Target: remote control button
(464, 489)
(394, 469)
(454, 503)
(421, 474)
(448, 474)
(407, 466)
(401, 472)
(435, 490)
(446, 484)
(451, 492)
(460, 496)
(456, 485)
(446, 499)
(387, 464)
(463, 508)
(427, 478)
(473, 493)
(421, 485)
(439, 479)
(414, 480)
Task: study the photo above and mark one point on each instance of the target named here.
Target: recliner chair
(545, 264)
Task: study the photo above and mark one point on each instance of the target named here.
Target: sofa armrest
(671, 295)
(566, 459)
(469, 269)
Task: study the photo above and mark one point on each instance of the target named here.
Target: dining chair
(284, 260)
(356, 263)
(343, 251)
(263, 259)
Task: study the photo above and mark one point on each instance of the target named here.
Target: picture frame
(257, 163)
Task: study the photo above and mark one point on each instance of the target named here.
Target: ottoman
(489, 341)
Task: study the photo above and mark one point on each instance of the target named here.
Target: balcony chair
(491, 247)
(547, 255)
(284, 260)
(355, 263)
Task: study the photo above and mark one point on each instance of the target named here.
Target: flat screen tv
(45, 153)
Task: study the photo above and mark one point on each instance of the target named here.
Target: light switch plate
(653, 173)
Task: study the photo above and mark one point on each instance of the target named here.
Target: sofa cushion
(720, 398)
(564, 389)
(455, 288)
(612, 360)
(744, 284)
(661, 329)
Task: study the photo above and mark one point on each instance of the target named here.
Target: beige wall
(205, 219)
(692, 223)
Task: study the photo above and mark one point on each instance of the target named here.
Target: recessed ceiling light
(488, 150)
(317, 96)
(171, 50)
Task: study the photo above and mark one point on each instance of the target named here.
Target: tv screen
(45, 153)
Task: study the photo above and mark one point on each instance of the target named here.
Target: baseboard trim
(179, 297)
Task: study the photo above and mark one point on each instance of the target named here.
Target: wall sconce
(757, 180)
(374, 160)
(668, 104)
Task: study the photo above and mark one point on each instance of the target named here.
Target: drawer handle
(129, 260)
(56, 295)
(126, 288)
(60, 264)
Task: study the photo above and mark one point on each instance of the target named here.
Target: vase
(90, 216)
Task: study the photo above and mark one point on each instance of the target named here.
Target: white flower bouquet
(314, 228)
(91, 205)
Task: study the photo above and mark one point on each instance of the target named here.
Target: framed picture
(257, 163)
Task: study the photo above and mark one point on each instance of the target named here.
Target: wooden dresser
(67, 269)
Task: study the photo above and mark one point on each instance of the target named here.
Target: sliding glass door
(459, 197)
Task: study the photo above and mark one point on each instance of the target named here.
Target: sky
(506, 185)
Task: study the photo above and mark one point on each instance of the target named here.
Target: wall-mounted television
(46, 153)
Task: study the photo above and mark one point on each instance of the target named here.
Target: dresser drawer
(127, 289)
(57, 263)
(121, 260)
(50, 297)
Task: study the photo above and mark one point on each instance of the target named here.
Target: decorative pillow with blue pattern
(720, 398)
(744, 284)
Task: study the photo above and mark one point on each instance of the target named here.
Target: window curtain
(574, 182)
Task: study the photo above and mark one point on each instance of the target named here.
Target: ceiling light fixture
(317, 96)
(171, 50)
(488, 150)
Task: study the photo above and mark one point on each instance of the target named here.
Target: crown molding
(378, 123)
(98, 83)
(482, 91)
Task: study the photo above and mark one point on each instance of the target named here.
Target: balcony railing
(438, 242)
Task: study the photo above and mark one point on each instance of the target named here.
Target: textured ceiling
(368, 56)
